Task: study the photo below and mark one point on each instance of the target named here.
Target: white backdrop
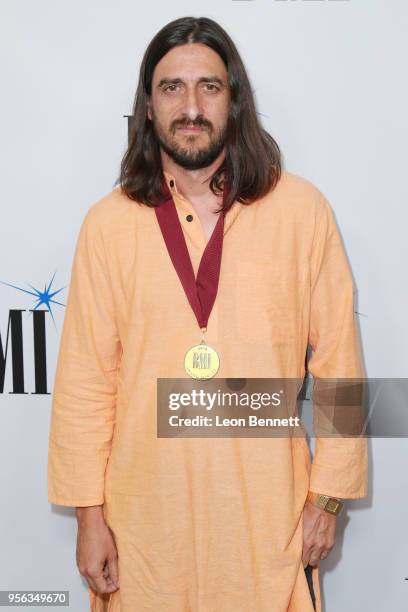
(330, 82)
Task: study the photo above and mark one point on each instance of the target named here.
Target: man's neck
(191, 184)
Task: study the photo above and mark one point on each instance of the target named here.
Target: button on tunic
(202, 524)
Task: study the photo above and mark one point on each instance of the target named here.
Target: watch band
(325, 502)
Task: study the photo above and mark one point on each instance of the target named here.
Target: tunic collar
(182, 203)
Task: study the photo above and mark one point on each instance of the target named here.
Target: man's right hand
(96, 554)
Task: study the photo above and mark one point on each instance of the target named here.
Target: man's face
(189, 105)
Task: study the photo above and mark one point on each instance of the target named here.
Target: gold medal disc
(201, 361)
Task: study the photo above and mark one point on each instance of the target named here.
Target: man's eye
(211, 86)
(171, 88)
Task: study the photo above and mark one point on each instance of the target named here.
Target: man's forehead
(190, 61)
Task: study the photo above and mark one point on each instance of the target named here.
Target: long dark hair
(252, 164)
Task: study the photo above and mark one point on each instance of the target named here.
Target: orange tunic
(202, 524)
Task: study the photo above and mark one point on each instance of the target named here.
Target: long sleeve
(84, 396)
(339, 467)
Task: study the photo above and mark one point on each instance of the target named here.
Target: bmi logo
(12, 342)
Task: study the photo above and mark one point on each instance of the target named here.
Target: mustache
(199, 122)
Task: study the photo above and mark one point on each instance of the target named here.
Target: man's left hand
(319, 534)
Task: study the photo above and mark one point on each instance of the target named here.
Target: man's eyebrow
(212, 79)
(203, 79)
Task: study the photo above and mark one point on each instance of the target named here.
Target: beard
(190, 156)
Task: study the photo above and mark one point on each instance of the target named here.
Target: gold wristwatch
(329, 504)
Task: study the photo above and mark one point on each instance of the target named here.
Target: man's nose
(192, 106)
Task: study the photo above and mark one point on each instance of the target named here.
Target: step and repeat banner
(329, 82)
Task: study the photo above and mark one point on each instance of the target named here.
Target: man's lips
(193, 130)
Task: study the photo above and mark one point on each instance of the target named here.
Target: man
(200, 524)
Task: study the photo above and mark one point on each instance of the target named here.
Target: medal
(201, 361)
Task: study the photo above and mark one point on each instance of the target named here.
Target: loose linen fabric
(202, 524)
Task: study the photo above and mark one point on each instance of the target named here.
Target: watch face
(333, 506)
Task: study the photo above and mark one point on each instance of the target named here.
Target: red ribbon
(201, 291)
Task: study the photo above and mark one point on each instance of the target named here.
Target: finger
(312, 539)
(307, 549)
(109, 582)
(314, 557)
(308, 554)
(321, 540)
(305, 559)
(94, 584)
(331, 534)
(88, 579)
(109, 588)
(90, 583)
(310, 546)
(324, 554)
(100, 584)
(112, 564)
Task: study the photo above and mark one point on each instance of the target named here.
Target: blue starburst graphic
(42, 297)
